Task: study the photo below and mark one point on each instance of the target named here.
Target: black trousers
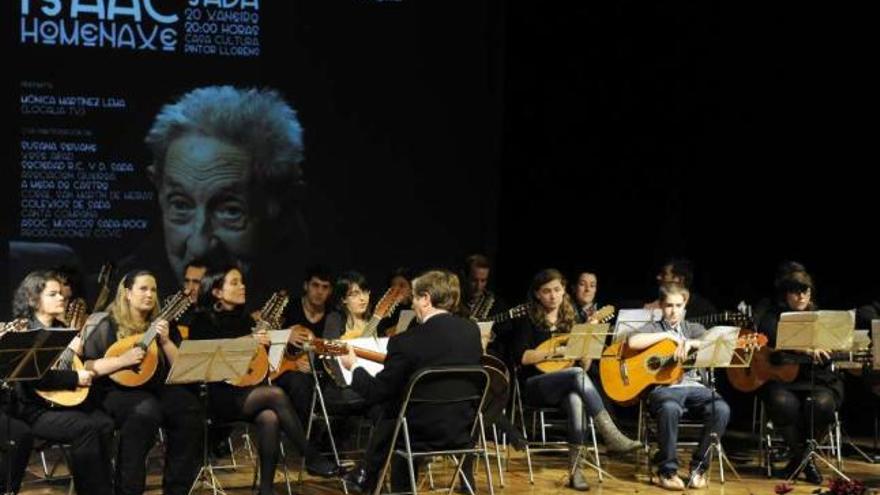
(90, 435)
(299, 387)
(138, 414)
(16, 442)
(789, 409)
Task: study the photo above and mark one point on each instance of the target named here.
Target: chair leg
(485, 454)
(409, 458)
(596, 448)
(232, 452)
(497, 455)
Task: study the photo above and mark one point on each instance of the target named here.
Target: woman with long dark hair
(221, 315)
(550, 312)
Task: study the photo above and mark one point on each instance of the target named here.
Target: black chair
(436, 387)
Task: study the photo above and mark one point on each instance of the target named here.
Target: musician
(440, 339)
(306, 317)
(667, 402)
(138, 412)
(585, 296)
(477, 269)
(88, 430)
(349, 320)
(681, 271)
(786, 403)
(192, 277)
(551, 312)
(221, 315)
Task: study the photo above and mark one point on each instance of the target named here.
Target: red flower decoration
(783, 488)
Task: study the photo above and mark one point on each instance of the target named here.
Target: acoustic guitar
(627, 373)
(557, 343)
(139, 374)
(764, 367)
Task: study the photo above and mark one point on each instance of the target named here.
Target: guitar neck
(149, 335)
(502, 317)
(375, 356)
(370, 330)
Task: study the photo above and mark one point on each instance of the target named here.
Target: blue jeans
(667, 404)
(571, 390)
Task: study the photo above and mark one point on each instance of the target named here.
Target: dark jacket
(443, 340)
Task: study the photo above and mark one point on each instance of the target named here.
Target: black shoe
(318, 465)
(812, 474)
(356, 480)
(220, 450)
(462, 488)
(518, 441)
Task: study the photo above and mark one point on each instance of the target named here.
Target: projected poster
(150, 133)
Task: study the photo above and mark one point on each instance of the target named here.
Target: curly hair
(27, 296)
(258, 121)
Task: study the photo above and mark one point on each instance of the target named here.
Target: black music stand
(718, 351)
(204, 362)
(27, 356)
(586, 342)
(808, 331)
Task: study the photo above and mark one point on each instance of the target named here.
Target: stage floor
(630, 475)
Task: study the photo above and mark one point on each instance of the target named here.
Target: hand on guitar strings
(132, 357)
(162, 330)
(299, 335)
(820, 355)
(684, 348)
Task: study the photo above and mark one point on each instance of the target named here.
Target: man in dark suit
(440, 339)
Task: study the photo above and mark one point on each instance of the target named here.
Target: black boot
(812, 474)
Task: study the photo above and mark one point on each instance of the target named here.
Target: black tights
(270, 410)
(790, 412)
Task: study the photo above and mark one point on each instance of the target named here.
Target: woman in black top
(786, 403)
(139, 412)
(221, 315)
(89, 431)
(551, 311)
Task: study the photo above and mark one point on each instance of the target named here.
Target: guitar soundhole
(653, 364)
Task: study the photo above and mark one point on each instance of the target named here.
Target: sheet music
(379, 345)
(719, 344)
(586, 341)
(406, 317)
(485, 332)
(630, 320)
(278, 345)
(805, 330)
(211, 360)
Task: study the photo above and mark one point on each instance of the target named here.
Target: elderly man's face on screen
(203, 194)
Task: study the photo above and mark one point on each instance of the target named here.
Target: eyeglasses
(358, 293)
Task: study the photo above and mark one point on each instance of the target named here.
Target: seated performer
(786, 403)
(139, 411)
(667, 402)
(551, 311)
(88, 430)
(221, 315)
(440, 339)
